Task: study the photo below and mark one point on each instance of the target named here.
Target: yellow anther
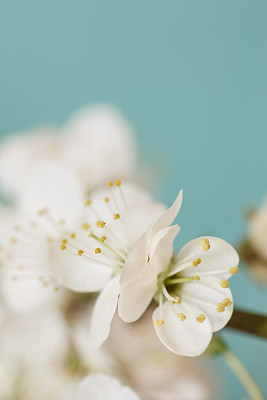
(224, 283)
(227, 302)
(63, 247)
(172, 302)
(97, 250)
(109, 184)
(56, 288)
(80, 252)
(181, 316)
(49, 239)
(106, 199)
(13, 240)
(117, 216)
(64, 241)
(220, 307)
(159, 322)
(117, 182)
(100, 224)
(234, 270)
(178, 300)
(87, 202)
(62, 221)
(85, 226)
(103, 238)
(196, 278)
(196, 262)
(72, 236)
(205, 244)
(201, 318)
(43, 211)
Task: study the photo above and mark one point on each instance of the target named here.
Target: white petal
(139, 277)
(169, 216)
(77, 273)
(188, 337)
(216, 261)
(207, 293)
(100, 145)
(104, 310)
(137, 295)
(135, 221)
(51, 185)
(103, 387)
(161, 248)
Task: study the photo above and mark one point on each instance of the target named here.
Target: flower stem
(242, 374)
(254, 324)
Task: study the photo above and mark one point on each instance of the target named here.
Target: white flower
(132, 233)
(103, 387)
(100, 145)
(192, 291)
(97, 144)
(20, 153)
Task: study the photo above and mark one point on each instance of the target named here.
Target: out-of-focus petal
(103, 387)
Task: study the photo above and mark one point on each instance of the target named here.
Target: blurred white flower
(103, 387)
(100, 145)
(97, 144)
(20, 153)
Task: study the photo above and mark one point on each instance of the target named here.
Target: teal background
(191, 76)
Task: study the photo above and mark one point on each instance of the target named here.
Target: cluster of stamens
(172, 280)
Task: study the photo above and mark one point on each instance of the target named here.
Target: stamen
(205, 244)
(100, 224)
(106, 199)
(159, 322)
(43, 211)
(117, 182)
(102, 240)
(196, 262)
(224, 283)
(80, 252)
(196, 278)
(227, 302)
(97, 250)
(87, 202)
(72, 236)
(109, 184)
(220, 307)
(13, 240)
(64, 241)
(63, 247)
(201, 318)
(234, 270)
(49, 239)
(181, 316)
(117, 216)
(179, 280)
(85, 226)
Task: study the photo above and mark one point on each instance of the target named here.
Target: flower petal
(104, 310)
(77, 273)
(103, 387)
(169, 216)
(216, 261)
(188, 337)
(208, 293)
(161, 248)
